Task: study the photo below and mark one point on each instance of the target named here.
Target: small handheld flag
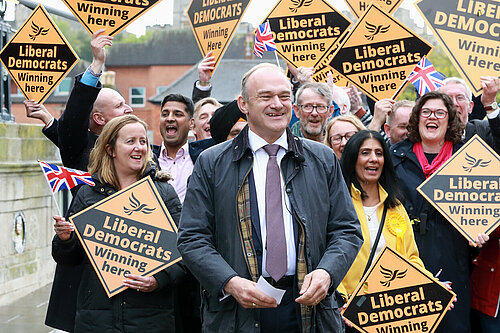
(425, 78)
(59, 178)
(264, 40)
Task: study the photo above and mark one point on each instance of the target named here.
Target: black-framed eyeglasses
(439, 113)
(337, 139)
(308, 108)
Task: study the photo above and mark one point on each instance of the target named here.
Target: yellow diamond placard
(130, 232)
(466, 189)
(469, 32)
(323, 67)
(357, 7)
(38, 56)
(396, 296)
(305, 30)
(379, 53)
(214, 23)
(111, 15)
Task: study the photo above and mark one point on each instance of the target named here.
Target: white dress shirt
(259, 175)
(180, 168)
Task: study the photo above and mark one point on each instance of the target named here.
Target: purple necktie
(276, 263)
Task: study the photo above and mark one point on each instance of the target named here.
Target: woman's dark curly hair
(455, 127)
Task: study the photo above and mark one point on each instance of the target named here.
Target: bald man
(89, 108)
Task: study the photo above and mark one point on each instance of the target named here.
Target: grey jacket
(210, 236)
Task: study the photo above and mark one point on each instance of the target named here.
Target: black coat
(75, 142)
(487, 129)
(130, 310)
(440, 245)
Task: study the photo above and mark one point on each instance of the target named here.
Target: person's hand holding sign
(382, 109)
(62, 228)
(144, 284)
(490, 85)
(205, 69)
(37, 111)
(481, 239)
(97, 44)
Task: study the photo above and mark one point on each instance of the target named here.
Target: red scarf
(443, 156)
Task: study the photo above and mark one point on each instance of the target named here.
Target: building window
(161, 89)
(64, 87)
(137, 96)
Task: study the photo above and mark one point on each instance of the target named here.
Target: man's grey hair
(319, 88)
(457, 80)
(341, 98)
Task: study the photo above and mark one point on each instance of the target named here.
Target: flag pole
(275, 54)
(50, 188)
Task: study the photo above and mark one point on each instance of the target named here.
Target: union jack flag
(263, 40)
(64, 178)
(425, 78)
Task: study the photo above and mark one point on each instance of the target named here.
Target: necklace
(369, 211)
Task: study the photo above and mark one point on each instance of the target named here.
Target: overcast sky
(257, 10)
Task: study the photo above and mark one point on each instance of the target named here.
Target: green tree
(77, 37)
(441, 63)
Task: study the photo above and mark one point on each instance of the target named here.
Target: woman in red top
(485, 282)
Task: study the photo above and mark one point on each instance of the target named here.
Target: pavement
(27, 315)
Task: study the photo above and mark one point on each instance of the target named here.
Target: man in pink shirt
(176, 119)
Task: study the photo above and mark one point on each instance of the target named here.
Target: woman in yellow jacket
(368, 172)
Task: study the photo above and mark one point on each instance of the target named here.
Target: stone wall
(24, 193)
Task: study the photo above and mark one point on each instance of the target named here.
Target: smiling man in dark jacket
(304, 241)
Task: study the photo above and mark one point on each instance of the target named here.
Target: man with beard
(313, 107)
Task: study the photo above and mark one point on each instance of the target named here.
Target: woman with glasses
(369, 174)
(434, 134)
(339, 130)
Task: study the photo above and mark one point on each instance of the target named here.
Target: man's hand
(246, 293)
(355, 98)
(205, 69)
(382, 109)
(301, 74)
(490, 85)
(37, 111)
(315, 287)
(97, 45)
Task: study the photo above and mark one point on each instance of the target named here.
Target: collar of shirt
(183, 151)
(256, 142)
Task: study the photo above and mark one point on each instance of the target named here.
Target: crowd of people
(303, 205)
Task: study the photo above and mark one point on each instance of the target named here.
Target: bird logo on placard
(375, 30)
(474, 163)
(391, 275)
(136, 206)
(299, 3)
(37, 31)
